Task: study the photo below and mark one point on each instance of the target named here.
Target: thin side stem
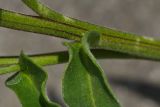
(10, 64)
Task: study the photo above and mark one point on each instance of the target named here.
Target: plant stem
(35, 24)
(110, 39)
(10, 64)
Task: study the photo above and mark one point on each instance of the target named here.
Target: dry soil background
(136, 82)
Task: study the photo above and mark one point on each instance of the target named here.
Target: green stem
(110, 39)
(10, 64)
(41, 59)
(37, 25)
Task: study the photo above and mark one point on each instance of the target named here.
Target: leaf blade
(29, 84)
(84, 84)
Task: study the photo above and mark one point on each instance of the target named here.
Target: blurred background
(136, 82)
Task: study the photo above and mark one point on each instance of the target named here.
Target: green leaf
(84, 84)
(29, 84)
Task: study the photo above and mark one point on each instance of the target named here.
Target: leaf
(29, 84)
(84, 84)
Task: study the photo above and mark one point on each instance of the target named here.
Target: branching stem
(117, 44)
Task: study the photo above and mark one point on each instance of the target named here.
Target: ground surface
(136, 83)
